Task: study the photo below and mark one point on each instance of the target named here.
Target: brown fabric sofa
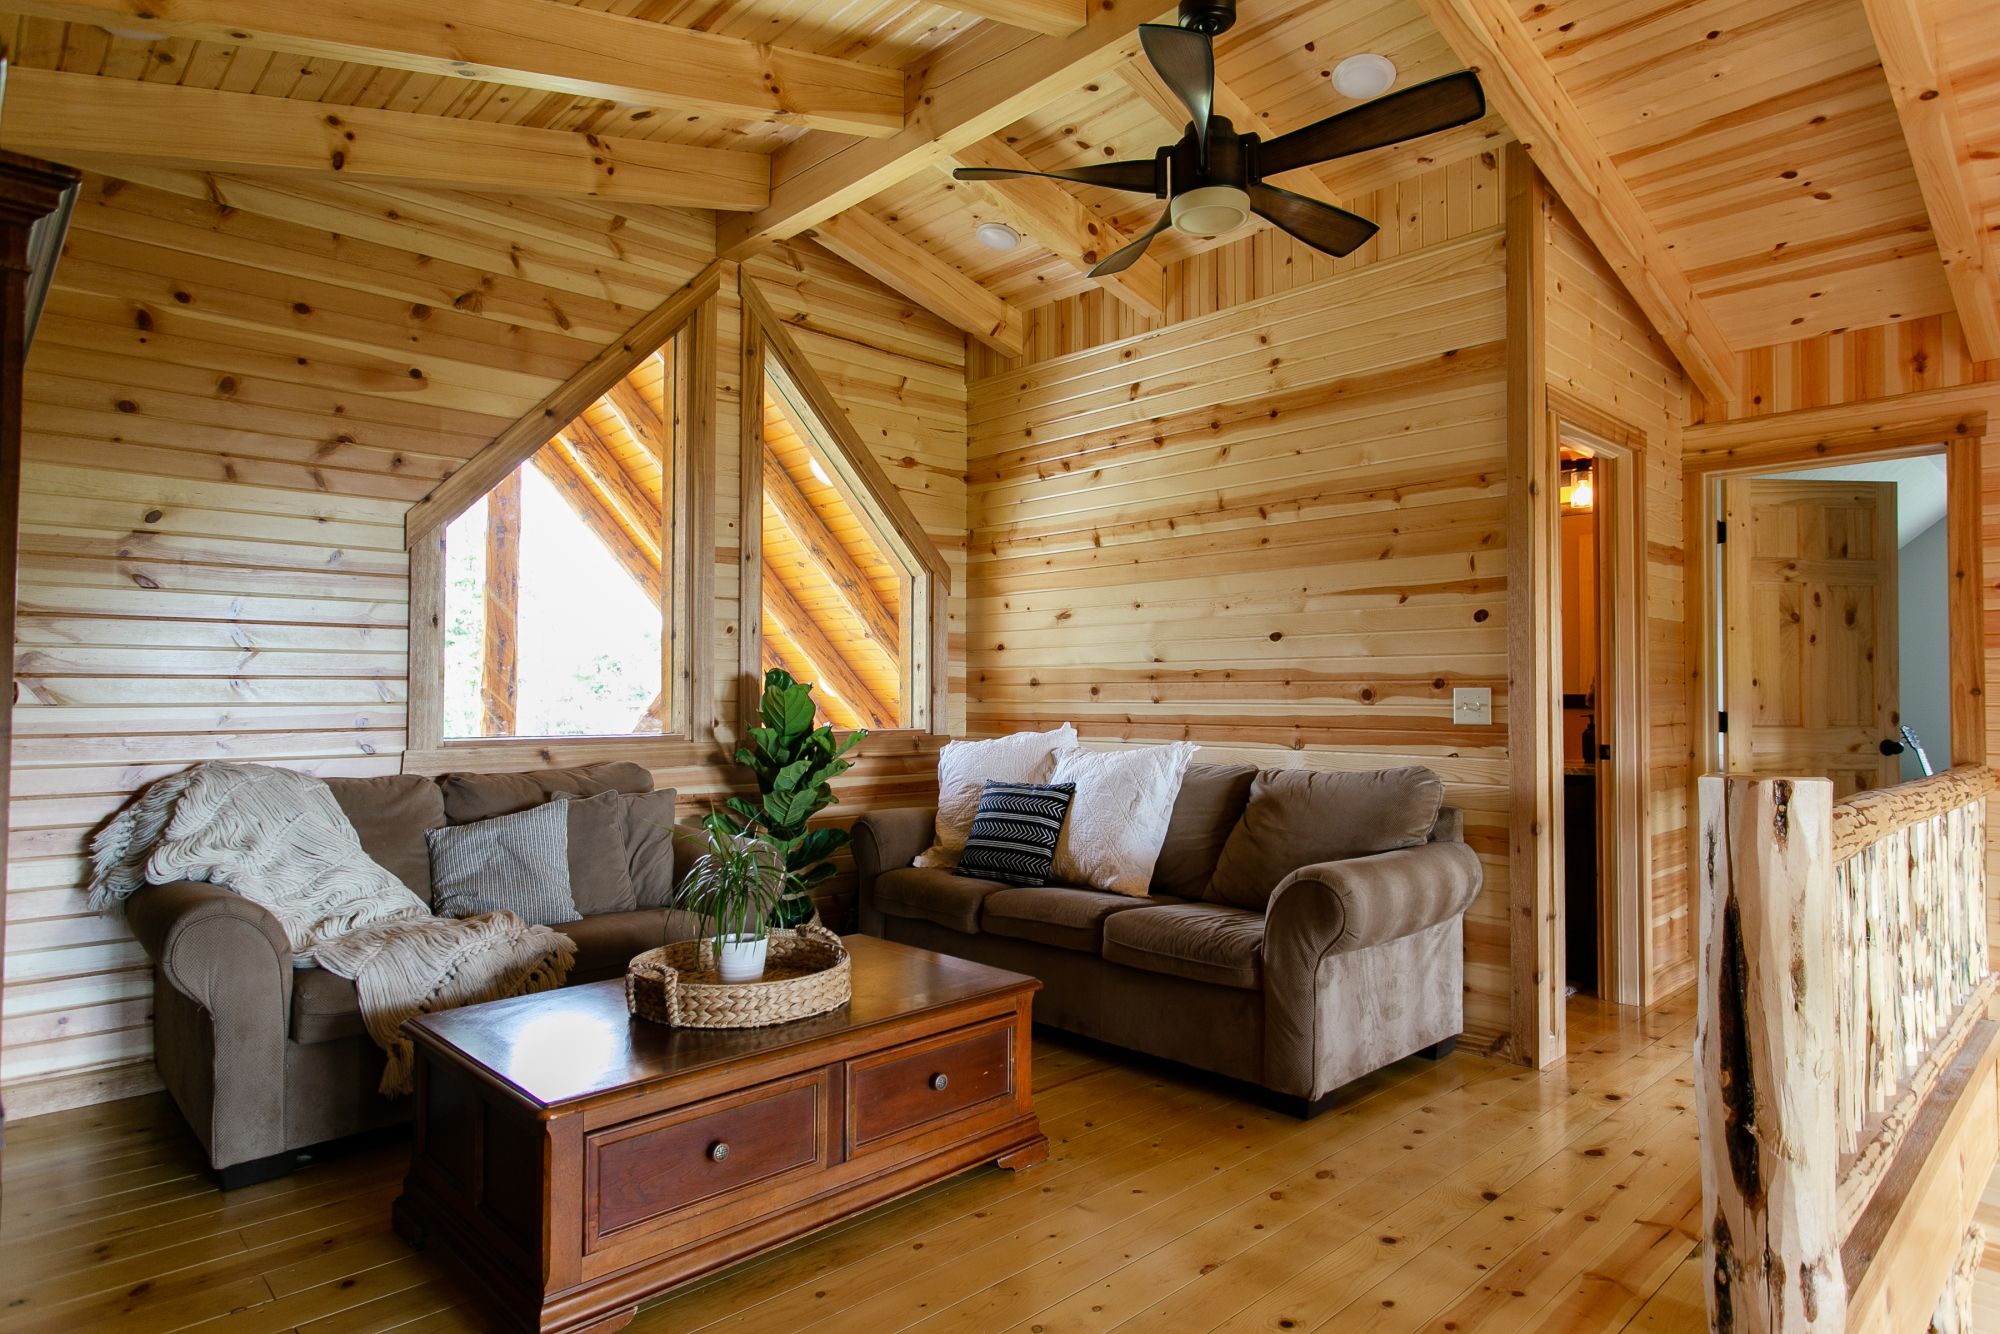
(1343, 965)
(265, 1059)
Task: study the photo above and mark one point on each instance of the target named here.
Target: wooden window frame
(688, 576)
(925, 624)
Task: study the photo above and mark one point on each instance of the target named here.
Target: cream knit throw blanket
(278, 838)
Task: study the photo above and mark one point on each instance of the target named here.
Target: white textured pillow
(964, 769)
(1118, 820)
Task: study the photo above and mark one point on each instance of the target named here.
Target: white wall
(1923, 579)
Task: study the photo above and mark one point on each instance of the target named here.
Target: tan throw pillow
(966, 767)
(1301, 817)
(600, 879)
(1118, 819)
(649, 846)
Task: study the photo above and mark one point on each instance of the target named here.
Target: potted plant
(735, 886)
(795, 764)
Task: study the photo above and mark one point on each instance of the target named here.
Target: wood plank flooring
(1448, 1196)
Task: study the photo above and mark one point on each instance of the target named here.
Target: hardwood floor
(1456, 1195)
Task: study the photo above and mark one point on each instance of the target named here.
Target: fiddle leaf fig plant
(795, 764)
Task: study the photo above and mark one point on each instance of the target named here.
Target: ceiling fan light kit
(1214, 178)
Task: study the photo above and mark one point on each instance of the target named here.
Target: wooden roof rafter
(113, 123)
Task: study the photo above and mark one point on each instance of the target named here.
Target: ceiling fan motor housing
(1215, 199)
(1209, 16)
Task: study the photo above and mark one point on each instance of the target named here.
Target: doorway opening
(1598, 607)
(1833, 633)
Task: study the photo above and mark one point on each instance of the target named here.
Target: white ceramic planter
(741, 958)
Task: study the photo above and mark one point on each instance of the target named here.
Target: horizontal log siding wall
(1276, 530)
(237, 391)
(1602, 351)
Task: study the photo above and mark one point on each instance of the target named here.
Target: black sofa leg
(1298, 1105)
(260, 1169)
(1437, 1051)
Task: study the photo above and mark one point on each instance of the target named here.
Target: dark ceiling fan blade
(1455, 99)
(1321, 226)
(1141, 175)
(1185, 60)
(1127, 255)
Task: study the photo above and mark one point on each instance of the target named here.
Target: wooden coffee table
(577, 1160)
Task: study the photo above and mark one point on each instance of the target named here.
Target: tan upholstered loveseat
(265, 1059)
(1343, 966)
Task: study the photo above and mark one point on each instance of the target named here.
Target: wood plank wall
(1274, 527)
(1602, 351)
(238, 389)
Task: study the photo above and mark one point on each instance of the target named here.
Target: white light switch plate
(1472, 704)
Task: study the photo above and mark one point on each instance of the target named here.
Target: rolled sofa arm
(1335, 907)
(211, 943)
(886, 840)
(220, 1026)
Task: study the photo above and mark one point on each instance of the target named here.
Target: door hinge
(1721, 532)
(1722, 721)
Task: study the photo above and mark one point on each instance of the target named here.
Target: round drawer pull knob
(940, 1082)
(718, 1151)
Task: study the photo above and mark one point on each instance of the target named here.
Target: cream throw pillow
(964, 769)
(1118, 821)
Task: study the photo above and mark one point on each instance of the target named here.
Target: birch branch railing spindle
(1845, 1066)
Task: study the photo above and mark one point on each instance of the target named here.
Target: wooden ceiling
(1755, 170)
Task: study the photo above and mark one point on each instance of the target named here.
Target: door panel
(1809, 635)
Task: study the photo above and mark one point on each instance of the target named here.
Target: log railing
(1845, 1066)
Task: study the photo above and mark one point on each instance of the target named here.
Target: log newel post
(1764, 1057)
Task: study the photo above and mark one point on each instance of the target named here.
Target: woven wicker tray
(805, 973)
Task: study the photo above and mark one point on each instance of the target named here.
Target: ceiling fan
(1213, 179)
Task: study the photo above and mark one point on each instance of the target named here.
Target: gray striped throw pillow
(518, 862)
(1014, 833)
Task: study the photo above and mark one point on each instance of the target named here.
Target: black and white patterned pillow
(1014, 834)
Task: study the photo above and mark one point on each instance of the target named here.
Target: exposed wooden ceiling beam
(1055, 17)
(968, 90)
(835, 674)
(885, 254)
(588, 505)
(107, 122)
(636, 510)
(1052, 215)
(539, 44)
(1489, 37)
(1906, 38)
(640, 418)
(803, 522)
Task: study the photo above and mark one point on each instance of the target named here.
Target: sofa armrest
(1335, 907)
(886, 840)
(213, 945)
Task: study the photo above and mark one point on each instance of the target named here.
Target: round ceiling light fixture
(996, 236)
(1364, 76)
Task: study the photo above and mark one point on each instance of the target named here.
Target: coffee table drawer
(907, 1087)
(661, 1165)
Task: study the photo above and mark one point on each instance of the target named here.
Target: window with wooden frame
(849, 590)
(552, 577)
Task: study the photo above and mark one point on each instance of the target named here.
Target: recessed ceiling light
(997, 236)
(819, 473)
(1364, 76)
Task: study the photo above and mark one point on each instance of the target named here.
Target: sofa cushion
(933, 894)
(470, 797)
(517, 863)
(606, 943)
(1300, 817)
(1203, 942)
(325, 1006)
(1070, 919)
(600, 875)
(391, 814)
(649, 846)
(1211, 801)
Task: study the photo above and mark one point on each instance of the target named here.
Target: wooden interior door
(1809, 630)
